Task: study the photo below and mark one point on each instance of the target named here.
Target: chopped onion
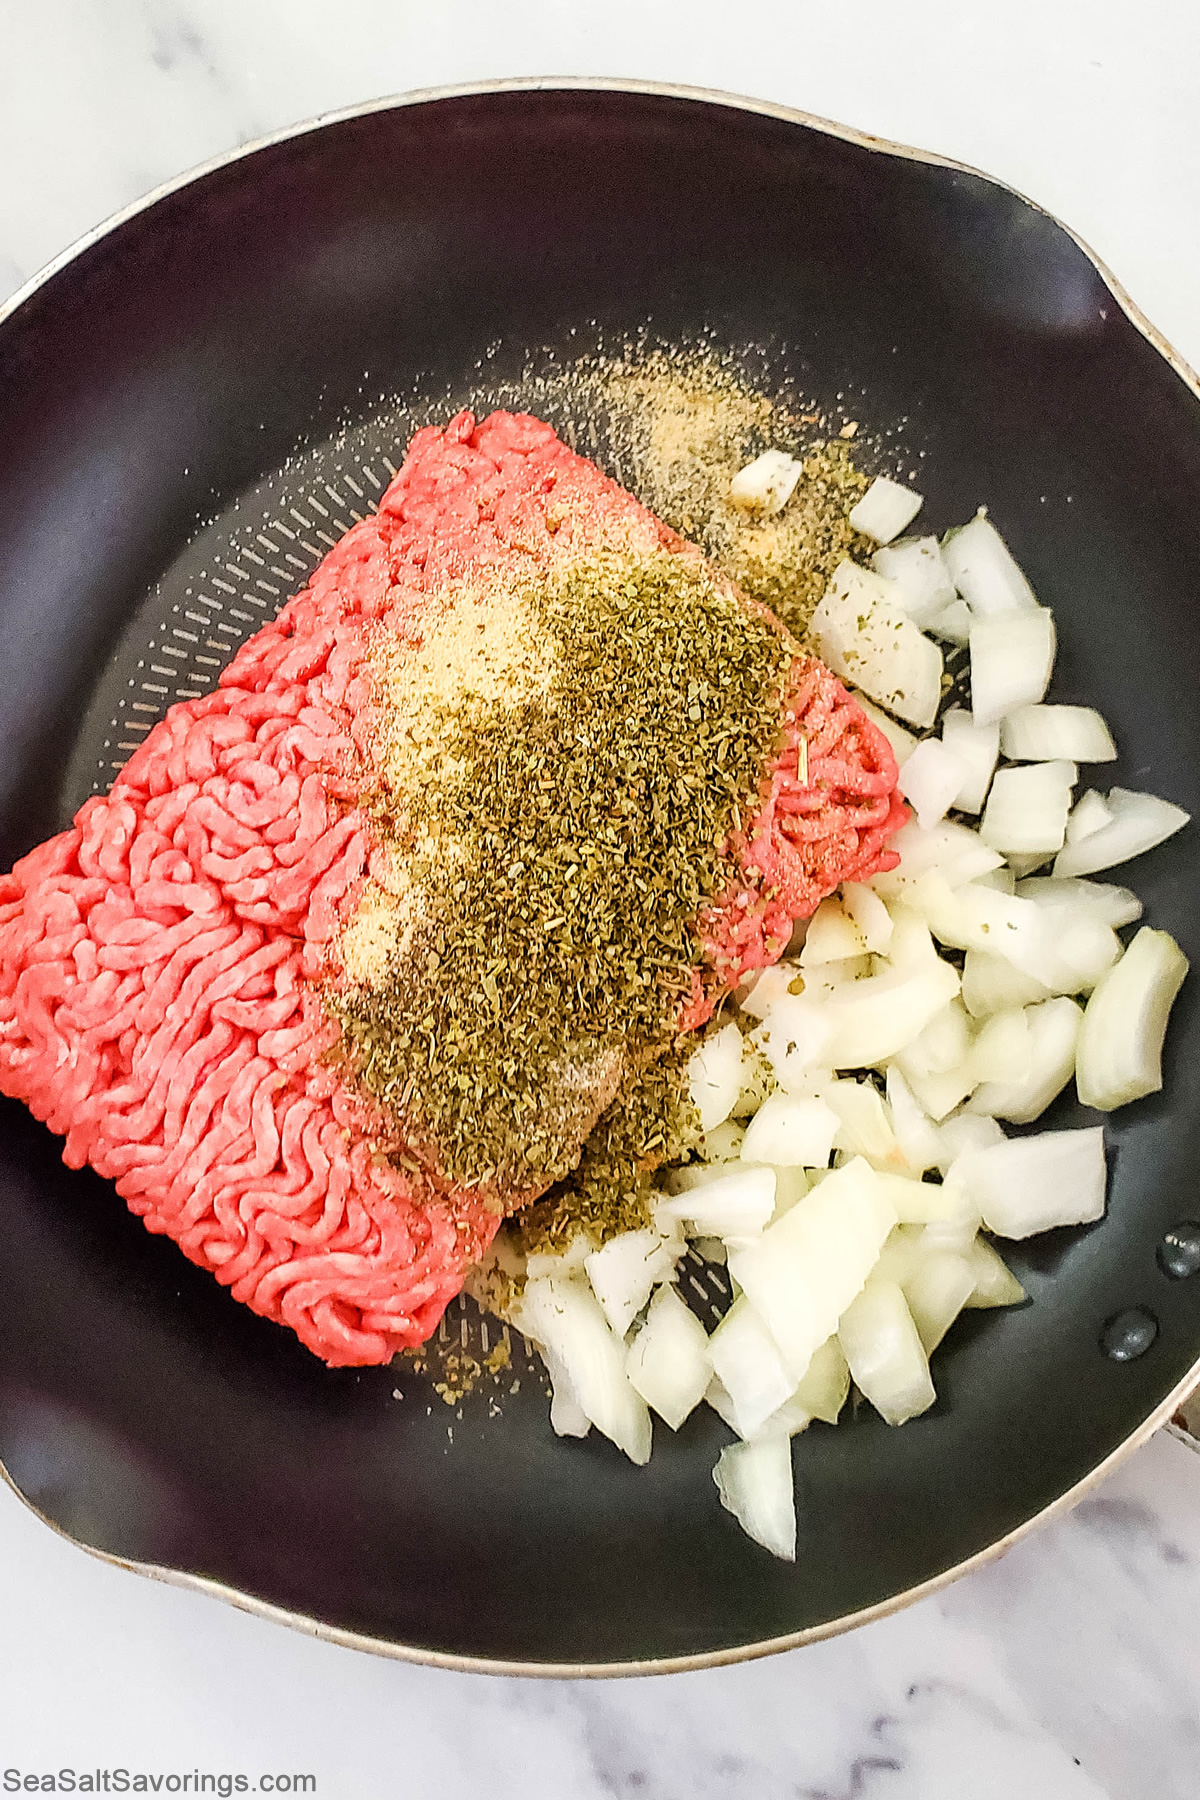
(1115, 906)
(791, 1184)
(669, 1362)
(1090, 813)
(723, 1143)
(1030, 1184)
(735, 1205)
(794, 1037)
(747, 1362)
(883, 1348)
(1140, 821)
(755, 1485)
(923, 584)
(984, 571)
(1052, 1033)
(1119, 1056)
(624, 1270)
(990, 983)
(916, 1134)
(1003, 879)
(953, 623)
(832, 936)
(977, 748)
(953, 850)
(936, 1291)
(930, 780)
(562, 1262)
(917, 1202)
(995, 1283)
(1077, 948)
(903, 742)
(1056, 733)
(885, 510)
(1012, 655)
(715, 1076)
(873, 1019)
(768, 483)
(1001, 1049)
(565, 1316)
(870, 915)
(803, 1272)
(791, 1132)
(864, 1128)
(866, 637)
(944, 1043)
(1027, 808)
(757, 1081)
(567, 1417)
(962, 1132)
(826, 1383)
(770, 986)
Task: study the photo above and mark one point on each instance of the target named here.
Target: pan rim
(667, 1665)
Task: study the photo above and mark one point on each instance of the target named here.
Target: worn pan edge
(1161, 1415)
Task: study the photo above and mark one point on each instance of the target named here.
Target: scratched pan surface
(189, 414)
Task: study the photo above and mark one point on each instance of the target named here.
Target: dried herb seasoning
(552, 853)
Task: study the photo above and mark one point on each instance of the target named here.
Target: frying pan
(220, 366)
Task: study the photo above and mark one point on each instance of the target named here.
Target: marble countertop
(1068, 1670)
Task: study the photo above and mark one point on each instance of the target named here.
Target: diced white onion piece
(923, 584)
(755, 1485)
(735, 1205)
(870, 915)
(567, 1417)
(1052, 1036)
(1001, 1048)
(1139, 822)
(990, 984)
(873, 1019)
(794, 1037)
(832, 936)
(995, 1283)
(791, 1184)
(983, 569)
(565, 1316)
(902, 741)
(770, 986)
(953, 850)
(1012, 655)
(757, 1082)
(826, 1382)
(936, 1291)
(1115, 906)
(1056, 733)
(1090, 813)
(977, 748)
(930, 780)
(803, 1272)
(1028, 806)
(953, 623)
(916, 1134)
(864, 1128)
(747, 1362)
(887, 1360)
(917, 1202)
(1035, 1183)
(912, 949)
(715, 1076)
(983, 918)
(885, 510)
(723, 1143)
(561, 1262)
(1003, 880)
(669, 1362)
(940, 1094)
(768, 483)
(624, 1270)
(1077, 949)
(1119, 1055)
(944, 1043)
(866, 637)
(791, 1132)
(962, 1132)
(900, 1255)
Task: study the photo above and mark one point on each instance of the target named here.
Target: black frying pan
(164, 374)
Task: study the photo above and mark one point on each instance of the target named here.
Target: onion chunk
(755, 1484)
(885, 510)
(866, 637)
(1119, 1056)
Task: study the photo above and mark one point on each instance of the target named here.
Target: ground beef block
(163, 963)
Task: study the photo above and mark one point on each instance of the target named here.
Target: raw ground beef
(161, 962)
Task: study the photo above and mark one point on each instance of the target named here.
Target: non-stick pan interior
(243, 361)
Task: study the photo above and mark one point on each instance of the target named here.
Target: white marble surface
(1070, 1670)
